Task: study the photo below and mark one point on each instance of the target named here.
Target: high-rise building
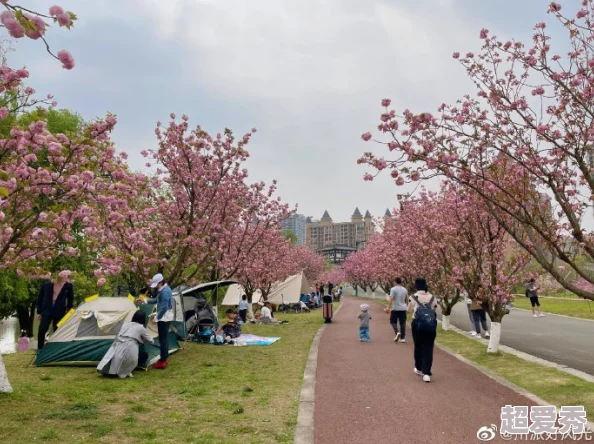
(336, 240)
(295, 223)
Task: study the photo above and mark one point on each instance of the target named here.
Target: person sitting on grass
(303, 306)
(124, 354)
(231, 330)
(266, 314)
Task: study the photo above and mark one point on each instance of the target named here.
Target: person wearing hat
(164, 316)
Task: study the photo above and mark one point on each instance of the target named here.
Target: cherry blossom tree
(360, 271)
(196, 218)
(383, 262)
(22, 22)
(271, 261)
(254, 215)
(18, 153)
(46, 180)
(336, 276)
(309, 262)
(452, 241)
(523, 143)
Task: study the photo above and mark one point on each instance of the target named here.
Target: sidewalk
(367, 392)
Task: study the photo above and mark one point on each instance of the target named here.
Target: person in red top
(55, 299)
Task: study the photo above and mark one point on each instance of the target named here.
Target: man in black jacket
(55, 299)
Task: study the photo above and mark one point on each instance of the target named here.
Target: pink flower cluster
(508, 150)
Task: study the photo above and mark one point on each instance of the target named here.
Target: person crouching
(124, 354)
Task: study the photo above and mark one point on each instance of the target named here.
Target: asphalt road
(565, 341)
(367, 392)
(559, 339)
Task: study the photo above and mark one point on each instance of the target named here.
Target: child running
(364, 317)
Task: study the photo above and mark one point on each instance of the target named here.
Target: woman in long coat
(122, 357)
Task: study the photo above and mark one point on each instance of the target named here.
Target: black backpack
(425, 316)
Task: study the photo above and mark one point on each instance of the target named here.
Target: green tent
(84, 336)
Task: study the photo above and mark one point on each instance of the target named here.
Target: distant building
(336, 240)
(296, 223)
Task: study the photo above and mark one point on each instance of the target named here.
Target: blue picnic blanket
(257, 340)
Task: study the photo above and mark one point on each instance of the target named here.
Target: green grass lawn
(208, 394)
(578, 309)
(547, 383)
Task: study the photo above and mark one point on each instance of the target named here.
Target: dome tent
(84, 335)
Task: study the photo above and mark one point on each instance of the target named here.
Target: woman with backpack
(424, 327)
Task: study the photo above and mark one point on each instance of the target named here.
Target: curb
(531, 358)
(502, 381)
(304, 430)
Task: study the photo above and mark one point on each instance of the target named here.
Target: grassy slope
(208, 394)
(578, 309)
(547, 383)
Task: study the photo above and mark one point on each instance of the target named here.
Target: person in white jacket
(123, 356)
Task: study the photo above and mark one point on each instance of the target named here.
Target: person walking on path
(55, 299)
(479, 318)
(532, 293)
(398, 304)
(364, 318)
(164, 316)
(354, 381)
(424, 328)
(243, 309)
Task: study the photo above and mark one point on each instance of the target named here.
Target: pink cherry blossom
(55, 10)
(523, 158)
(66, 58)
(64, 19)
(366, 137)
(554, 7)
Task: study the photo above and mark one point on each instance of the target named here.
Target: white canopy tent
(289, 291)
(234, 293)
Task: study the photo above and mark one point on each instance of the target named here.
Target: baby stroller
(202, 323)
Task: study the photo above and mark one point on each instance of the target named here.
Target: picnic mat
(257, 340)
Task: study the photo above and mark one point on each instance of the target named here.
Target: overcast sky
(308, 74)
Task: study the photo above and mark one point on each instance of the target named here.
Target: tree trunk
(32, 312)
(495, 337)
(26, 314)
(25, 320)
(250, 300)
(445, 322)
(4, 384)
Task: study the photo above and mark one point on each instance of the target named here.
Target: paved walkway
(563, 340)
(367, 392)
